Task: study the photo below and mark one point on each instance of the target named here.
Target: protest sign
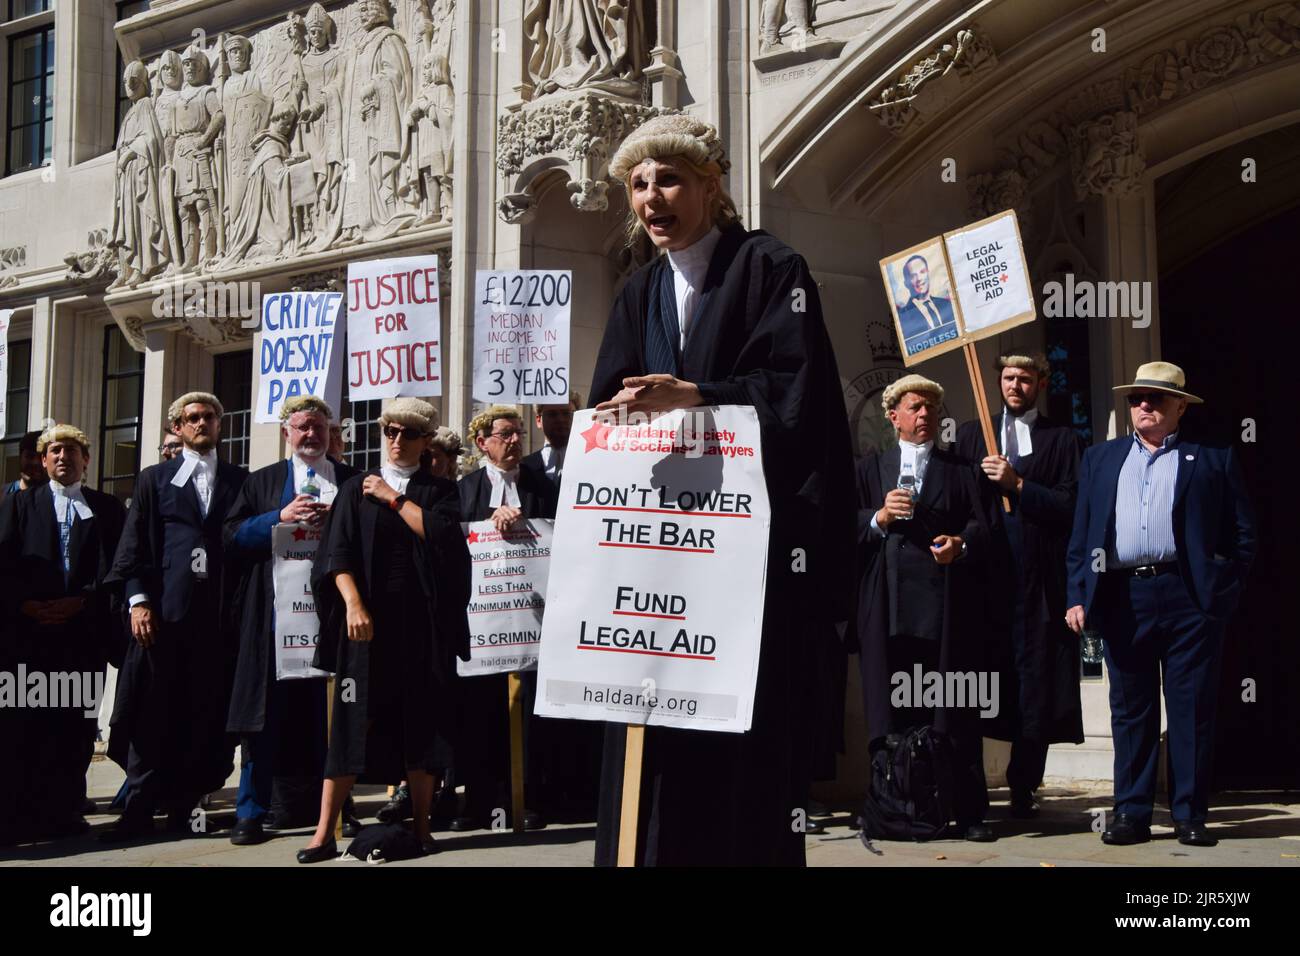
(662, 531)
(521, 336)
(952, 290)
(394, 328)
(299, 352)
(297, 628)
(5, 316)
(507, 596)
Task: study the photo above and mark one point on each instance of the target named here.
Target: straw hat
(1159, 377)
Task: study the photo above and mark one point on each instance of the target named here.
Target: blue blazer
(913, 321)
(1214, 524)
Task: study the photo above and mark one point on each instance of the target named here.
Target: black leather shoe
(127, 829)
(980, 833)
(533, 820)
(812, 826)
(396, 809)
(1124, 830)
(1194, 834)
(74, 824)
(1023, 805)
(351, 826)
(466, 823)
(248, 832)
(316, 854)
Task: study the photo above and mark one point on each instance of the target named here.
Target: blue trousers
(291, 743)
(1152, 628)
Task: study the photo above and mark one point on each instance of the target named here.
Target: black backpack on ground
(911, 794)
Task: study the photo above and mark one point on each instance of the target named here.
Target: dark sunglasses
(1151, 398)
(392, 433)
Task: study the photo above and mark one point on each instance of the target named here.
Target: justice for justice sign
(299, 351)
(394, 328)
(521, 336)
(662, 532)
(507, 596)
(297, 628)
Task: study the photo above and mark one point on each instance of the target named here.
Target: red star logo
(1004, 277)
(299, 534)
(472, 537)
(596, 436)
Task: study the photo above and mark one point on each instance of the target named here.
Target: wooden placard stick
(982, 406)
(631, 808)
(515, 689)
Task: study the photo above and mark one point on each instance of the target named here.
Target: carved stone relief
(935, 82)
(326, 129)
(587, 44)
(11, 259)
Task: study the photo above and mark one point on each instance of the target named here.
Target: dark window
(366, 449)
(31, 100)
(125, 9)
(233, 386)
(17, 404)
(25, 8)
(123, 400)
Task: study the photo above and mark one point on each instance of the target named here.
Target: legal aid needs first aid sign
(662, 535)
(394, 328)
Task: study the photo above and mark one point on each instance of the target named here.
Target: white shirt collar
(65, 491)
(1023, 425)
(692, 263)
(505, 486)
(208, 458)
(69, 495)
(398, 476)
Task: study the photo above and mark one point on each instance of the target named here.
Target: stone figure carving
(1106, 157)
(775, 13)
(265, 224)
(194, 122)
(591, 44)
(430, 114)
(99, 260)
(247, 110)
(378, 88)
(171, 76)
(318, 92)
(139, 231)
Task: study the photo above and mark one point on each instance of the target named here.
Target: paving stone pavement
(1255, 829)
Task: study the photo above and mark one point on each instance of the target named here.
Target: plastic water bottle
(310, 485)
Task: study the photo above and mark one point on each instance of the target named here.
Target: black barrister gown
(395, 701)
(263, 493)
(757, 339)
(169, 715)
(51, 748)
(1042, 700)
(949, 602)
(483, 751)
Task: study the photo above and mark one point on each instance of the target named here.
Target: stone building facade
(168, 162)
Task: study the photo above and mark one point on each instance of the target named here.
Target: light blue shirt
(1144, 506)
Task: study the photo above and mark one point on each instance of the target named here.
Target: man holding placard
(505, 494)
(281, 722)
(1037, 468)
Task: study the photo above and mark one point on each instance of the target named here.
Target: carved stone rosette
(575, 134)
(991, 193)
(932, 84)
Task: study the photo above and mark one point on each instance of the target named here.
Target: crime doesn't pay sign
(662, 531)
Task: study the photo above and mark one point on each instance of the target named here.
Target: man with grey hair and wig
(169, 717)
(923, 534)
(281, 723)
(57, 541)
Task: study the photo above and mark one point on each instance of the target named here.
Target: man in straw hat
(1037, 468)
(923, 535)
(281, 721)
(169, 715)
(1163, 538)
(728, 316)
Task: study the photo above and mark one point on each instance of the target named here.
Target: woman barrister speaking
(732, 317)
(391, 583)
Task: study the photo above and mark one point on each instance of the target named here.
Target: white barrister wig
(410, 413)
(673, 135)
(305, 403)
(895, 391)
(189, 398)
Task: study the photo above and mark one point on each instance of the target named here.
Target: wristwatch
(962, 553)
(396, 503)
